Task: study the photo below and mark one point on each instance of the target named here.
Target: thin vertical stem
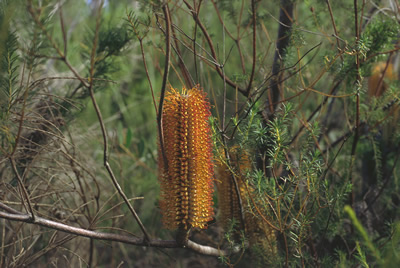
(223, 73)
(253, 8)
(63, 32)
(218, 67)
(140, 39)
(103, 129)
(358, 85)
(285, 17)
(185, 73)
(334, 25)
(194, 46)
(164, 81)
(21, 121)
(147, 74)
(23, 189)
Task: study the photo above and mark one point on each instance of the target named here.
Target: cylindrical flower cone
(186, 178)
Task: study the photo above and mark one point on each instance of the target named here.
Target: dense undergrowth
(305, 117)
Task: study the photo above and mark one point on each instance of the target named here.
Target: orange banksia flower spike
(228, 199)
(186, 178)
(381, 72)
(258, 232)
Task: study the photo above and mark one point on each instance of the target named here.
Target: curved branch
(185, 72)
(86, 233)
(218, 67)
(23, 189)
(104, 132)
(15, 215)
(165, 79)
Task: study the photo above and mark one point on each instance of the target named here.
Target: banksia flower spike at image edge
(186, 178)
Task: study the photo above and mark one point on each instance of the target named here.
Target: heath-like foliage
(235, 200)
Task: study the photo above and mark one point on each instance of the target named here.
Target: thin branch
(181, 64)
(334, 25)
(237, 41)
(164, 81)
(196, 71)
(3, 240)
(104, 133)
(94, 47)
(54, 44)
(21, 121)
(63, 32)
(140, 39)
(87, 233)
(23, 189)
(218, 68)
(380, 53)
(221, 20)
(253, 8)
(264, 82)
(331, 92)
(147, 74)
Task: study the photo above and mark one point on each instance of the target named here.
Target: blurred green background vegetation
(313, 168)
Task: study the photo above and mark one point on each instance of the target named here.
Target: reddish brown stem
(253, 8)
(165, 79)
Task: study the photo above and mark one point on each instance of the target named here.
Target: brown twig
(181, 64)
(259, 94)
(331, 92)
(21, 121)
(54, 44)
(380, 88)
(104, 133)
(24, 191)
(164, 81)
(194, 46)
(380, 53)
(334, 25)
(218, 67)
(253, 9)
(146, 69)
(63, 32)
(3, 240)
(222, 21)
(235, 39)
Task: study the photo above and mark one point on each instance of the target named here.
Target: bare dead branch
(25, 194)
(13, 215)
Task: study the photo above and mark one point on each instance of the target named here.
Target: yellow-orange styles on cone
(185, 166)
(258, 232)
